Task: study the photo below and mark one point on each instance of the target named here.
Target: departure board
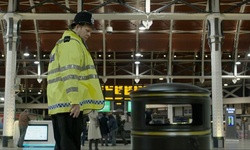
(119, 92)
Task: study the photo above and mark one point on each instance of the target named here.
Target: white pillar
(170, 113)
(11, 39)
(215, 39)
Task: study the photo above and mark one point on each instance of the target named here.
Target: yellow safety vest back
(72, 77)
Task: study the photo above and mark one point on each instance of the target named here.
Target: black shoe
(19, 146)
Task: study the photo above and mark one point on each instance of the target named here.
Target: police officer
(73, 85)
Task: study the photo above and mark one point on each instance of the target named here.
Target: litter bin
(172, 116)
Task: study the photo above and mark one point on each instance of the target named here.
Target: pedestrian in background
(104, 128)
(94, 133)
(73, 87)
(84, 129)
(113, 128)
(23, 125)
(121, 130)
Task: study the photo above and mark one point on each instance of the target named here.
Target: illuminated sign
(231, 120)
(118, 92)
(106, 107)
(230, 110)
(127, 90)
(129, 106)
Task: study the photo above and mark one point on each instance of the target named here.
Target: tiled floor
(229, 145)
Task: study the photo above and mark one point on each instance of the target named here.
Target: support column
(11, 39)
(215, 39)
(170, 113)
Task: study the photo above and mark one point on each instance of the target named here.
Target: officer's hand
(75, 110)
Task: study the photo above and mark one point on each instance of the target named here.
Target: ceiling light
(138, 54)
(36, 62)
(26, 54)
(225, 84)
(137, 80)
(234, 80)
(39, 80)
(137, 62)
(238, 63)
(142, 27)
(2, 55)
(109, 29)
(147, 23)
(2, 98)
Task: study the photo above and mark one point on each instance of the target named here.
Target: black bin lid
(170, 88)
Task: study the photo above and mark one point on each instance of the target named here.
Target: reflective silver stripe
(69, 77)
(54, 80)
(91, 76)
(72, 89)
(71, 67)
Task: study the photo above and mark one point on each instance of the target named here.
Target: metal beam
(141, 77)
(132, 16)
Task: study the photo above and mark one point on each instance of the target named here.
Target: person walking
(113, 128)
(94, 133)
(23, 125)
(121, 130)
(73, 87)
(104, 128)
(84, 129)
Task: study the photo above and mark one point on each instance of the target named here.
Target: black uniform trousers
(67, 131)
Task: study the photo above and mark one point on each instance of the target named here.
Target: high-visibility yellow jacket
(72, 78)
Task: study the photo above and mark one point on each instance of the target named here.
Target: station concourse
(199, 42)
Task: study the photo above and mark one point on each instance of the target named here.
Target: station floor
(243, 144)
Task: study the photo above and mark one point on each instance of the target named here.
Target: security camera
(109, 29)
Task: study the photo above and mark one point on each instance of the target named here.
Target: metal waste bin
(180, 129)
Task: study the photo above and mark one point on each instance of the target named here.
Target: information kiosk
(39, 134)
